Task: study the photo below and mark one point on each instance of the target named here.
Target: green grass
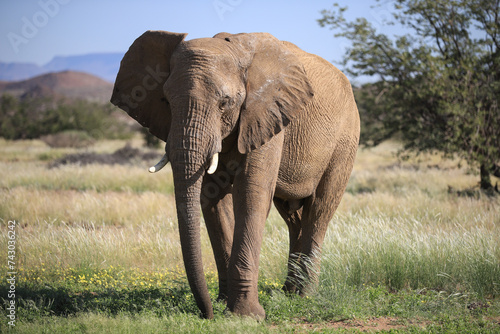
(97, 250)
(87, 299)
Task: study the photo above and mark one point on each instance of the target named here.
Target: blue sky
(37, 30)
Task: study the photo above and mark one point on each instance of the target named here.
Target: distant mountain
(102, 65)
(19, 71)
(67, 84)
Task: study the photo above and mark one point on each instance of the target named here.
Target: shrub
(37, 117)
(69, 138)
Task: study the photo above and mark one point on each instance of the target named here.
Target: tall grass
(399, 254)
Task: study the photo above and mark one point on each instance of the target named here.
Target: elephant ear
(144, 70)
(277, 89)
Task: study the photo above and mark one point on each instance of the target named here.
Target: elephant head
(194, 94)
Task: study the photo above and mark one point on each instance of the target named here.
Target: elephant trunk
(191, 151)
(187, 198)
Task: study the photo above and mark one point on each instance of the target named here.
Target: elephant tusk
(213, 164)
(159, 165)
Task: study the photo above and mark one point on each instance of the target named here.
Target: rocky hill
(68, 84)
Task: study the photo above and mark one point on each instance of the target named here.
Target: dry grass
(97, 216)
(101, 242)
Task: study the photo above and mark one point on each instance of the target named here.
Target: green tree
(438, 85)
(8, 108)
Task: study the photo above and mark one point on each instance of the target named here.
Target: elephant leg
(293, 219)
(318, 211)
(253, 192)
(217, 206)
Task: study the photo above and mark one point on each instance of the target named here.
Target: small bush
(123, 156)
(70, 138)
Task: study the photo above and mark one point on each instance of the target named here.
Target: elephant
(248, 121)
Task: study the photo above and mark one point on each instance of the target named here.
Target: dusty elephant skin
(247, 120)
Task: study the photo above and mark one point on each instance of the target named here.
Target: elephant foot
(293, 289)
(290, 288)
(247, 308)
(302, 277)
(294, 286)
(255, 311)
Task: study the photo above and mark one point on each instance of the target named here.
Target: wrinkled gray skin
(286, 128)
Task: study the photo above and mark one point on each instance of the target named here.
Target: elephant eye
(224, 102)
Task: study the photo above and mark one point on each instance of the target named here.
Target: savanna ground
(97, 250)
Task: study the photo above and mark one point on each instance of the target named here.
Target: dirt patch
(376, 324)
(368, 326)
(126, 155)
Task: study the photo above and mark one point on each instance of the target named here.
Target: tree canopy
(438, 85)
